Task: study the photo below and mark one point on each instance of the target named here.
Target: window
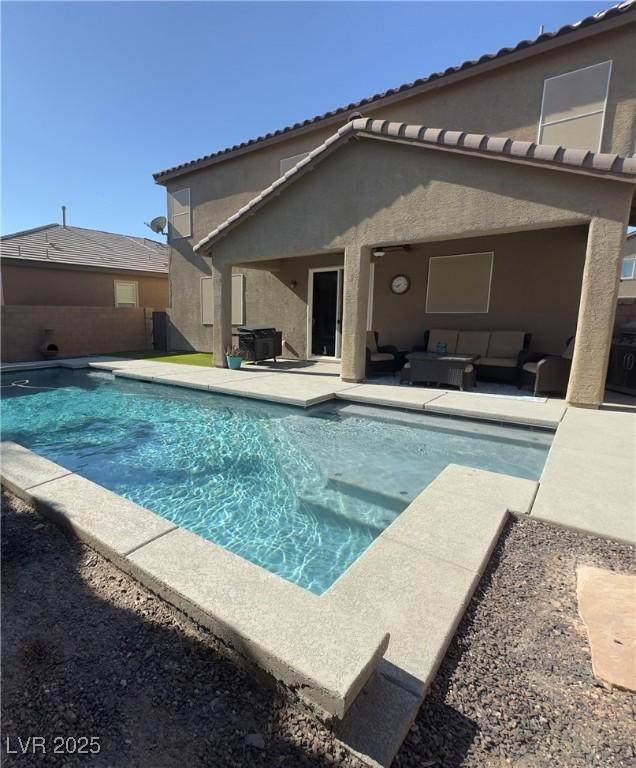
(126, 294)
(459, 284)
(628, 269)
(289, 162)
(573, 107)
(180, 214)
(207, 300)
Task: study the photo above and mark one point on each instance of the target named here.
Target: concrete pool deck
(309, 385)
(588, 482)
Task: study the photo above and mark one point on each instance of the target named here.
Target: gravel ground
(516, 685)
(86, 651)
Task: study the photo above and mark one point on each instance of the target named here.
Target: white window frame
(603, 111)
(296, 159)
(371, 292)
(631, 259)
(174, 233)
(241, 277)
(126, 282)
(454, 256)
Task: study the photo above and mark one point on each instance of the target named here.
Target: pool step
(322, 510)
(370, 496)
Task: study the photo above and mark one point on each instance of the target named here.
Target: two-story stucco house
(520, 163)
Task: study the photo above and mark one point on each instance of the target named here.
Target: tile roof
(56, 244)
(598, 164)
(404, 89)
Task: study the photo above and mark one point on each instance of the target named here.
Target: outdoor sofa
(501, 353)
(547, 373)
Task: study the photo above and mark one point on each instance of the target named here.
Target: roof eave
(435, 82)
(516, 160)
(446, 141)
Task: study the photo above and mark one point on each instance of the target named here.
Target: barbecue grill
(621, 372)
(259, 342)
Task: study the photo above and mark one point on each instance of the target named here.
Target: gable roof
(598, 164)
(55, 244)
(591, 24)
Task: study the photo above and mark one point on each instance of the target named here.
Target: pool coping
(363, 653)
(305, 391)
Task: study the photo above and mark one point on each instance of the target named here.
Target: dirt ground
(88, 652)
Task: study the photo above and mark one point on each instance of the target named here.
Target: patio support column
(597, 311)
(355, 294)
(222, 292)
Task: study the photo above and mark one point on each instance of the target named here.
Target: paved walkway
(589, 479)
(305, 386)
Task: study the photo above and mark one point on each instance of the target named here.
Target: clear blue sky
(97, 96)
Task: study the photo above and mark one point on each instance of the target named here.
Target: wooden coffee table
(430, 368)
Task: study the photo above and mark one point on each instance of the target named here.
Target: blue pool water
(301, 493)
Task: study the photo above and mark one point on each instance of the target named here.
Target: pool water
(301, 493)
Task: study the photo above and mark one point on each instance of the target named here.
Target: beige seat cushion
(502, 362)
(378, 357)
(505, 343)
(371, 343)
(569, 350)
(446, 337)
(530, 367)
(473, 343)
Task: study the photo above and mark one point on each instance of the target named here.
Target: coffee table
(428, 367)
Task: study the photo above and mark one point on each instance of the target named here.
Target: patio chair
(547, 373)
(384, 359)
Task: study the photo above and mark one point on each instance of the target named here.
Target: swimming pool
(300, 493)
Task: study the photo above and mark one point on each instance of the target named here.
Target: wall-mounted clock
(400, 284)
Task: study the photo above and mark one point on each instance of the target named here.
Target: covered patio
(391, 200)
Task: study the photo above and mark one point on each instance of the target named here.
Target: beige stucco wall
(269, 298)
(535, 288)
(372, 192)
(25, 284)
(77, 330)
(536, 285)
(506, 101)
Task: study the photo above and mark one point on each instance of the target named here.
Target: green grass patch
(182, 358)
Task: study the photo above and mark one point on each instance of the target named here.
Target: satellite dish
(158, 224)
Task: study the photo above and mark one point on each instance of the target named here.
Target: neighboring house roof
(55, 244)
(406, 90)
(597, 164)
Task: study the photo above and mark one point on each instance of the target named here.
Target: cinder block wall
(76, 330)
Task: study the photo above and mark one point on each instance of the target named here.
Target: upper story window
(238, 300)
(289, 162)
(628, 269)
(180, 213)
(126, 293)
(573, 107)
